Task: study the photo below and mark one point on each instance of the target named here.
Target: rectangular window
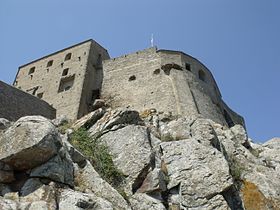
(66, 83)
(188, 66)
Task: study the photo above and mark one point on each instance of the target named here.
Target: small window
(40, 95)
(201, 75)
(188, 66)
(66, 83)
(50, 63)
(68, 56)
(131, 78)
(31, 70)
(65, 72)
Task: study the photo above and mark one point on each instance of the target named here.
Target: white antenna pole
(152, 40)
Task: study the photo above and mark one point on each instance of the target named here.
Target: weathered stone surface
(114, 119)
(176, 129)
(88, 179)
(88, 120)
(76, 156)
(154, 182)
(29, 142)
(58, 169)
(131, 149)
(40, 196)
(7, 204)
(98, 103)
(198, 171)
(60, 120)
(73, 200)
(217, 203)
(4, 123)
(30, 186)
(6, 176)
(141, 201)
(4, 188)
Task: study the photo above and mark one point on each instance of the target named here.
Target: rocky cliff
(122, 159)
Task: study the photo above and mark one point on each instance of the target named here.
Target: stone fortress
(71, 79)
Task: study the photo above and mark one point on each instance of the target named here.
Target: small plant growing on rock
(236, 170)
(99, 156)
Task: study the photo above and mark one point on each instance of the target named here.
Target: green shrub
(99, 156)
(63, 128)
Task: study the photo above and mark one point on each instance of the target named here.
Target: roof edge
(75, 45)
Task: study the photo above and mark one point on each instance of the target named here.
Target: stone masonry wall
(169, 81)
(136, 81)
(15, 103)
(62, 84)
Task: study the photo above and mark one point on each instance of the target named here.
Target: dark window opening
(31, 76)
(32, 90)
(157, 71)
(131, 78)
(40, 95)
(68, 56)
(228, 119)
(99, 61)
(66, 83)
(188, 66)
(50, 63)
(201, 75)
(61, 65)
(79, 58)
(65, 72)
(95, 94)
(31, 70)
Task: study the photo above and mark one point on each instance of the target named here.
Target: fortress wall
(48, 80)
(150, 89)
(15, 103)
(93, 77)
(236, 118)
(178, 78)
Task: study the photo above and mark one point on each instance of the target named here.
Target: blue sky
(239, 41)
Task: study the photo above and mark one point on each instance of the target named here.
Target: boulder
(132, 152)
(58, 169)
(88, 120)
(61, 120)
(114, 119)
(141, 201)
(196, 172)
(4, 123)
(29, 142)
(73, 200)
(87, 179)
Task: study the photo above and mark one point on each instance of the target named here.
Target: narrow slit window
(201, 75)
(68, 56)
(31, 70)
(188, 66)
(50, 63)
(65, 72)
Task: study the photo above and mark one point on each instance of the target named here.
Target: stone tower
(69, 80)
(168, 81)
